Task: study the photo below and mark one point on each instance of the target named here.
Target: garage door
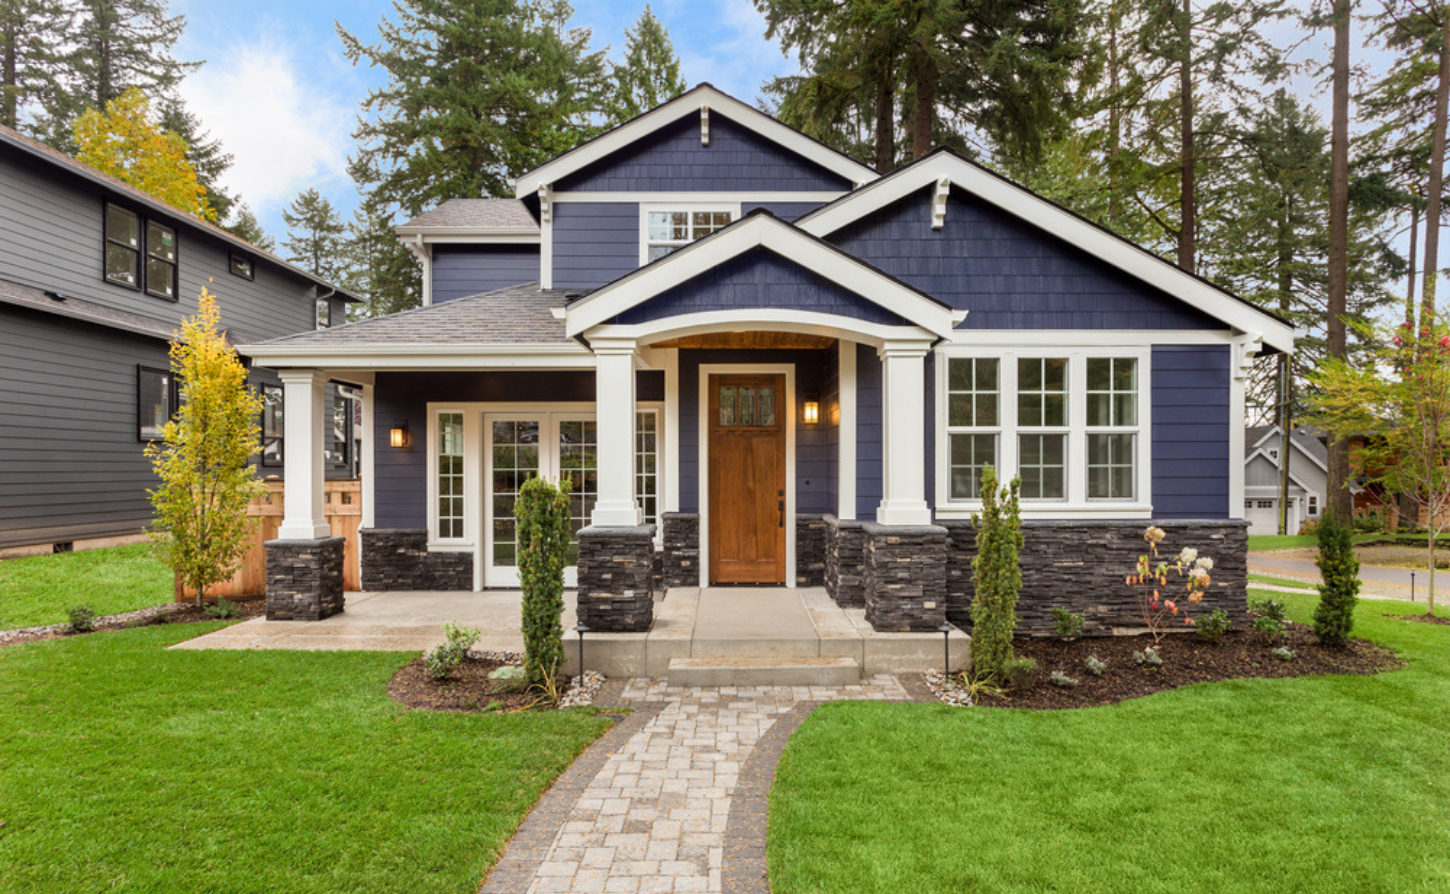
(1262, 515)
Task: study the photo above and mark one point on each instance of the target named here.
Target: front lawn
(40, 589)
(1268, 543)
(124, 767)
(1303, 785)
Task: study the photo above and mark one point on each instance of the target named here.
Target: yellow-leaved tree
(126, 142)
(201, 526)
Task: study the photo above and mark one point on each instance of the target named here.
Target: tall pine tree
(380, 269)
(32, 48)
(650, 73)
(244, 225)
(315, 236)
(207, 157)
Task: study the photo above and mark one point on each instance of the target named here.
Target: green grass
(124, 767)
(1322, 784)
(40, 589)
(1263, 543)
(1280, 581)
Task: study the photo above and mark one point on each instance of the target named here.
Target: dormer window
(667, 228)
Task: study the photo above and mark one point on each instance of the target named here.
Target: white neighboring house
(1308, 475)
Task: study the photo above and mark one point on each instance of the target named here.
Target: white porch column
(903, 463)
(302, 431)
(614, 412)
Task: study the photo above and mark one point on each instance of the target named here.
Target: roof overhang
(1261, 446)
(762, 230)
(1026, 205)
(420, 357)
(469, 235)
(688, 103)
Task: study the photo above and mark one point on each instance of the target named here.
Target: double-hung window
(1042, 427)
(667, 229)
(140, 253)
(973, 422)
(1112, 428)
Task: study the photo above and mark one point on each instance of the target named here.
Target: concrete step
(759, 671)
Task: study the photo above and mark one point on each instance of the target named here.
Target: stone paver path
(676, 801)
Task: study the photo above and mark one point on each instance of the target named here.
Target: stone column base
(615, 581)
(398, 559)
(906, 583)
(304, 579)
(810, 550)
(682, 549)
(846, 562)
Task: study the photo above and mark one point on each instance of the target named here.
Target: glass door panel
(514, 459)
(579, 466)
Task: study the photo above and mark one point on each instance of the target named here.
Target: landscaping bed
(166, 613)
(1424, 618)
(1187, 659)
(467, 688)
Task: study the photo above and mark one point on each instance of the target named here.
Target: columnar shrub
(543, 536)
(996, 576)
(1339, 566)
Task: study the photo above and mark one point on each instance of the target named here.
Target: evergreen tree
(650, 74)
(1338, 594)
(31, 50)
(125, 142)
(477, 93)
(205, 154)
(245, 226)
(996, 577)
(380, 269)
(315, 236)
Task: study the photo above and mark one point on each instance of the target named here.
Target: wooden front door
(747, 479)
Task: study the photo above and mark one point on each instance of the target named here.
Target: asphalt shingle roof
(1307, 438)
(499, 214)
(79, 309)
(518, 315)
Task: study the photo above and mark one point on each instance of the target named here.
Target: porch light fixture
(812, 408)
(398, 435)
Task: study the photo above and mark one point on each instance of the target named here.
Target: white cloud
(283, 129)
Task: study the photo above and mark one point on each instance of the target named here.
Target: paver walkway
(673, 799)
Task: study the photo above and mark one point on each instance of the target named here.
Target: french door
(561, 447)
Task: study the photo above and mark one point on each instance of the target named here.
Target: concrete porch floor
(715, 627)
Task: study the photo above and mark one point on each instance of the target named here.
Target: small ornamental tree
(542, 511)
(126, 142)
(997, 577)
(201, 528)
(1338, 594)
(1149, 580)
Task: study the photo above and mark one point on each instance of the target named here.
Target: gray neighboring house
(95, 276)
(1308, 464)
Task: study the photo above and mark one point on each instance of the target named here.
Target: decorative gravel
(582, 690)
(950, 693)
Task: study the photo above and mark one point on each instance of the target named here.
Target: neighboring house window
(973, 421)
(1112, 421)
(242, 266)
(1042, 420)
(1313, 506)
(450, 476)
(668, 229)
(1274, 454)
(156, 401)
(271, 425)
(140, 254)
(646, 464)
(324, 313)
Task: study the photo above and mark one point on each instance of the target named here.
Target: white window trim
(646, 207)
(471, 421)
(1077, 504)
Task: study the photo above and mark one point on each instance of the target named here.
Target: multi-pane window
(160, 261)
(1042, 384)
(973, 404)
(515, 461)
(646, 464)
(748, 406)
(450, 476)
(1112, 419)
(156, 400)
(666, 231)
(271, 425)
(579, 467)
(140, 254)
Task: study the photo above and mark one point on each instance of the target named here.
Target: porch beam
(614, 384)
(903, 472)
(303, 516)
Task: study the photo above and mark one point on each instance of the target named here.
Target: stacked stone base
(304, 579)
(681, 559)
(905, 578)
(810, 550)
(616, 580)
(846, 562)
(398, 559)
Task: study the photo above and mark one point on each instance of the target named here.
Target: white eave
(403, 357)
(469, 235)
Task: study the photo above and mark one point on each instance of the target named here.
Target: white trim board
(1277, 437)
(686, 104)
(1034, 209)
(744, 196)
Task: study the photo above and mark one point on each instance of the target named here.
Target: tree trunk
(1436, 185)
(923, 115)
(886, 121)
(9, 83)
(1187, 239)
(1407, 507)
(1115, 122)
(1341, 502)
(1286, 385)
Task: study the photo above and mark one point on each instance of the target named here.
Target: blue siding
(594, 244)
(1191, 431)
(672, 160)
(868, 432)
(782, 210)
(831, 424)
(1009, 274)
(759, 279)
(460, 270)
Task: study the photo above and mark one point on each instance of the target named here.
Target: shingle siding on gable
(1191, 431)
(594, 243)
(673, 160)
(1008, 274)
(759, 279)
(461, 270)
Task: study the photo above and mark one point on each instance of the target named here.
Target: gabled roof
(1017, 200)
(689, 103)
(41, 152)
(761, 229)
(474, 216)
(1306, 440)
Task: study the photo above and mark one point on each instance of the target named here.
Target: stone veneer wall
(845, 562)
(304, 579)
(1081, 566)
(398, 559)
(615, 592)
(682, 549)
(906, 585)
(810, 550)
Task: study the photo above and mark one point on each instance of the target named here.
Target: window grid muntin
(670, 229)
(646, 464)
(516, 458)
(1111, 463)
(1112, 396)
(579, 466)
(974, 422)
(450, 499)
(1043, 403)
(1112, 400)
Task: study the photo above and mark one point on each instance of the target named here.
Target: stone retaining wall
(682, 549)
(905, 577)
(616, 577)
(398, 559)
(810, 550)
(304, 579)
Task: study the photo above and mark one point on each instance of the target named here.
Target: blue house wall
(869, 384)
(594, 243)
(462, 270)
(1191, 430)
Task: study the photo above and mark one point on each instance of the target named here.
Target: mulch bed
(166, 613)
(1186, 659)
(1423, 618)
(467, 689)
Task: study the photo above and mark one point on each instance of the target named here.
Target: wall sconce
(812, 408)
(398, 435)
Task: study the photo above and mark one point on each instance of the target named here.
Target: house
(95, 277)
(1308, 465)
(759, 362)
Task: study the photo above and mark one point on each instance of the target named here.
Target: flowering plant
(1150, 581)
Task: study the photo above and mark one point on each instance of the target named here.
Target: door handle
(780, 505)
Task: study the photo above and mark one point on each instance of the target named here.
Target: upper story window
(667, 228)
(140, 253)
(242, 266)
(324, 313)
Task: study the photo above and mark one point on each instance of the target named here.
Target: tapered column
(302, 431)
(614, 419)
(903, 464)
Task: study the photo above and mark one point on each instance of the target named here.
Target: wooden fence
(343, 508)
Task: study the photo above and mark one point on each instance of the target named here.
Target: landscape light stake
(581, 630)
(946, 649)
(1412, 586)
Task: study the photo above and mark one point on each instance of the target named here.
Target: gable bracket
(1247, 347)
(546, 203)
(939, 203)
(704, 125)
